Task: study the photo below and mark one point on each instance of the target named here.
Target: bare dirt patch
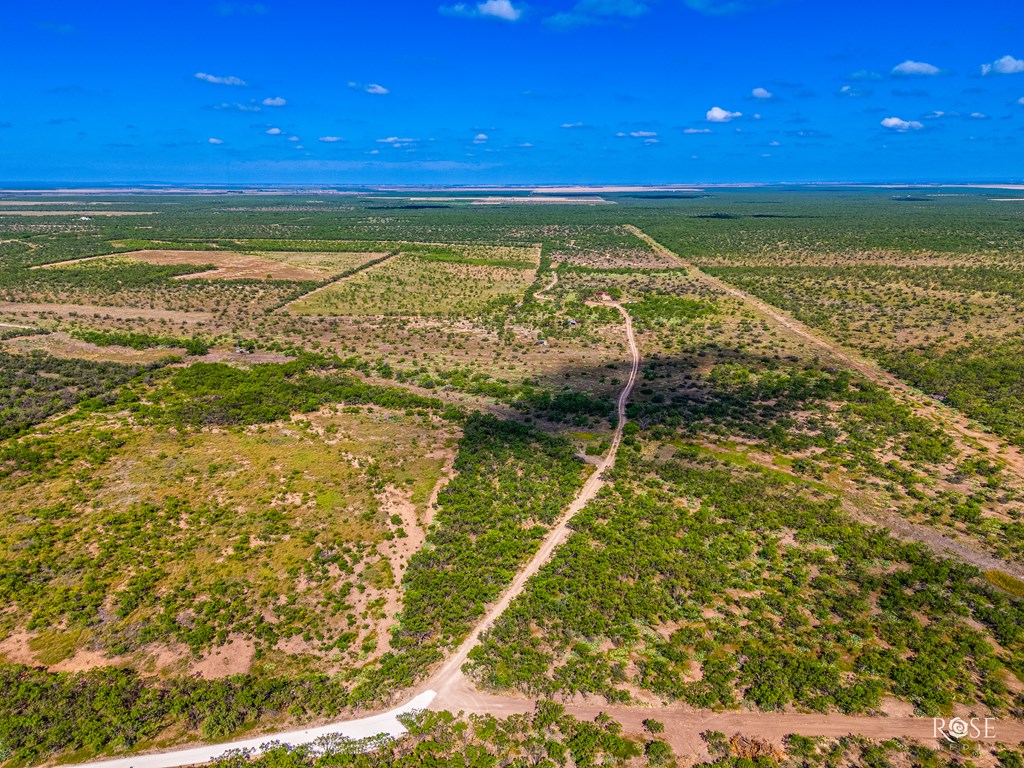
(62, 345)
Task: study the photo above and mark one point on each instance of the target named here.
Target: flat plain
(265, 464)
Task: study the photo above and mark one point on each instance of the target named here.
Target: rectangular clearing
(427, 281)
(240, 266)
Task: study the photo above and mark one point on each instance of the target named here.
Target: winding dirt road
(448, 688)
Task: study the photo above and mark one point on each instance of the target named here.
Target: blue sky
(504, 91)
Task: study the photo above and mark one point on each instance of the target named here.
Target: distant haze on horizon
(512, 93)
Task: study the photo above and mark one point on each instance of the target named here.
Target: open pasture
(229, 265)
(426, 281)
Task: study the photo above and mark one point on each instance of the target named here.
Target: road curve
(363, 728)
(449, 677)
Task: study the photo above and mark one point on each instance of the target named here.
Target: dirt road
(449, 681)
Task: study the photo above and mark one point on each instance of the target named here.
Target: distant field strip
(34, 212)
(424, 281)
(298, 265)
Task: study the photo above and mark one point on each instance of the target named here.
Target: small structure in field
(603, 296)
(571, 322)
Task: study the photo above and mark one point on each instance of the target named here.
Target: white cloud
(219, 80)
(852, 92)
(651, 141)
(396, 141)
(498, 9)
(1004, 66)
(331, 139)
(910, 67)
(620, 135)
(293, 138)
(239, 107)
(979, 116)
(1021, 101)
(374, 89)
(774, 143)
(274, 101)
(480, 138)
(525, 145)
(274, 131)
(215, 141)
(896, 124)
(643, 134)
(719, 115)
(572, 125)
(696, 130)
(761, 93)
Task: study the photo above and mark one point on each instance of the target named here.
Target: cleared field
(240, 266)
(77, 213)
(423, 283)
(64, 346)
(216, 551)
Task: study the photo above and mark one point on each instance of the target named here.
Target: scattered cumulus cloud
(902, 126)
(220, 79)
(294, 138)
(643, 134)
(480, 138)
(979, 116)
(572, 125)
(1004, 66)
(696, 130)
(396, 141)
(1021, 101)
(274, 101)
(761, 93)
(497, 9)
(239, 107)
(911, 68)
(525, 145)
(273, 131)
(854, 92)
(331, 139)
(212, 140)
(374, 89)
(719, 115)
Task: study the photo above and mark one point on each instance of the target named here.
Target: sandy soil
(62, 345)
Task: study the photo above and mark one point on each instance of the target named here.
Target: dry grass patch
(229, 265)
(415, 284)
